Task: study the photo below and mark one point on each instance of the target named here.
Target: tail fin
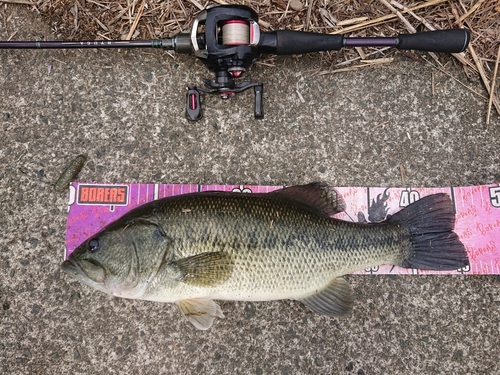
(435, 246)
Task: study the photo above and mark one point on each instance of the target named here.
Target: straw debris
(156, 19)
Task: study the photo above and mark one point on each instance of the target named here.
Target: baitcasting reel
(228, 47)
(227, 39)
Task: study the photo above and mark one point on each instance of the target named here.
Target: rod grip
(289, 42)
(450, 41)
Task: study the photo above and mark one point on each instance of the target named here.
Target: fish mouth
(71, 268)
(88, 272)
(68, 267)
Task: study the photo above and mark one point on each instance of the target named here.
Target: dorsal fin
(317, 194)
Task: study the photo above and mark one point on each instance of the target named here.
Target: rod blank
(81, 44)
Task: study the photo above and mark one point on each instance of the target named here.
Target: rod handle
(450, 41)
(289, 42)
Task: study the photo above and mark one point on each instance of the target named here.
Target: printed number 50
(495, 196)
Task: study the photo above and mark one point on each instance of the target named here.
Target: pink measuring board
(93, 206)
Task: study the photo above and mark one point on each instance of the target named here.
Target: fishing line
(235, 33)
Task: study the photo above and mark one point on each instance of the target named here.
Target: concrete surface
(124, 109)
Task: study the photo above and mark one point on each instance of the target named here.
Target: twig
(351, 21)
(402, 171)
(471, 10)
(402, 7)
(381, 125)
(21, 2)
(301, 98)
(129, 9)
(365, 64)
(99, 4)
(492, 90)
(285, 12)
(118, 16)
(76, 15)
(136, 20)
(387, 17)
(432, 84)
(483, 75)
(197, 4)
(308, 19)
(12, 35)
(103, 36)
(383, 60)
(98, 22)
(264, 24)
(457, 80)
(409, 27)
(361, 53)
(377, 51)
(181, 5)
(327, 17)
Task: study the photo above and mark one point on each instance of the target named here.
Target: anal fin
(334, 300)
(200, 312)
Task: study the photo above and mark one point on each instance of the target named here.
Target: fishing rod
(228, 40)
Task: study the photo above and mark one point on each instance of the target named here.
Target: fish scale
(301, 250)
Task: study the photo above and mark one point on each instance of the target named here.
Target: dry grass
(155, 19)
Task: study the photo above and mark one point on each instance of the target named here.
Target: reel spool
(235, 33)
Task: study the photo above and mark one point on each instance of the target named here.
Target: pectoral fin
(334, 300)
(206, 269)
(200, 312)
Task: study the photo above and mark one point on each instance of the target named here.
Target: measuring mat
(93, 206)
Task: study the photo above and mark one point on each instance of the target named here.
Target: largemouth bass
(195, 248)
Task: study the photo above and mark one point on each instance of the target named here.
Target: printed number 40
(409, 197)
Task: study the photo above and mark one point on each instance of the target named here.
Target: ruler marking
(156, 192)
(453, 200)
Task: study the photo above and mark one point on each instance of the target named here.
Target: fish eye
(94, 244)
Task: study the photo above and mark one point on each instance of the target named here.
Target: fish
(70, 172)
(195, 248)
